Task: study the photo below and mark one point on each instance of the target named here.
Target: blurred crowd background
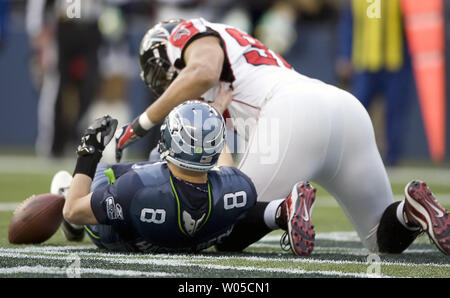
(65, 62)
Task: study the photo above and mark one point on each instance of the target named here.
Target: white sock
(78, 227)
(270, 212)
(401, 219)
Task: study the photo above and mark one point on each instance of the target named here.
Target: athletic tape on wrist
(145, 122)
(141, 125)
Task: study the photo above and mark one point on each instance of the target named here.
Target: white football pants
(316, 132)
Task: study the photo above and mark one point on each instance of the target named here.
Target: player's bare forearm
(77, 209)
(204, 60)
(190, 84)
(225, 158)
(221, 103)
(80, 187)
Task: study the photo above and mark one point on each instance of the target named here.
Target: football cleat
(72, 232)
(295, 217)
(421, 209)
(60, 185)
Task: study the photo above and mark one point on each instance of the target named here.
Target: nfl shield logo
(206, 159)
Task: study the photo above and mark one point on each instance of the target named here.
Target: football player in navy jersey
(182, 203)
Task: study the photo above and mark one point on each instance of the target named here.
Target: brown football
(36, 219)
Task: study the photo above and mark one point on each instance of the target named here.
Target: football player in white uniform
(317, 132)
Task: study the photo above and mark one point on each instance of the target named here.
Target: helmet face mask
(158, 74)
(192, 136)
(156, 69)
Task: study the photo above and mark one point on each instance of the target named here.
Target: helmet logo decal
(181, 31)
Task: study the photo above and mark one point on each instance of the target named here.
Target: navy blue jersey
(151, 210)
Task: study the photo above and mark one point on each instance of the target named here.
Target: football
(36, 219)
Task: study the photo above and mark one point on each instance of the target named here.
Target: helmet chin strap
(187, 175)
(186, 166)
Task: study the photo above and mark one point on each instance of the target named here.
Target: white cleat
(60, 183)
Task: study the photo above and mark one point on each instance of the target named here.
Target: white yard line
(165, 259)
(346, 250)
(70, 271)
(329, 201)
(402, 175)
(334, 236)
(66, 253)
(8, 206)
(48, 249)
(272, 241)
(176, 263)
(176, 260)
(34, 165)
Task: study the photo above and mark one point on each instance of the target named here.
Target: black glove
(97, 136)
(93, 142)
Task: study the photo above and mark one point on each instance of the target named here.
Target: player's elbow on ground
(70, 214)
(67, 213)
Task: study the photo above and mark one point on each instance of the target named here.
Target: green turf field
(338, 251)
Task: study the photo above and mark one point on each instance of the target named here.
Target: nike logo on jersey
(438, 211)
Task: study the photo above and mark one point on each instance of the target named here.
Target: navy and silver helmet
(156, 69)
(193, 136)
